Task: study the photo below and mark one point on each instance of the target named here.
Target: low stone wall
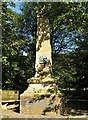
(10, 95)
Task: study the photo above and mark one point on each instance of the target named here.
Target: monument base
(39, 99)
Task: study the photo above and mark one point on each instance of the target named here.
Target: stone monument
(39, 96)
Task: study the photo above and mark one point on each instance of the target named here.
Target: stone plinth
(38, 99)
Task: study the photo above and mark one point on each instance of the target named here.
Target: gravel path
(12, 114)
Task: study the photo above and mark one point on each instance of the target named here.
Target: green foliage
(64, 70)
(68, 30)
(71, 69)
(17, 68)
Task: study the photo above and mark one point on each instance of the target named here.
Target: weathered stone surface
(39, 80)
(43, 46)
(39, 98)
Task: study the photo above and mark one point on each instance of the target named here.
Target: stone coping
(45, 80)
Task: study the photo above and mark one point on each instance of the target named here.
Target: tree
(68, 22)
(68, 29)
(15, 65)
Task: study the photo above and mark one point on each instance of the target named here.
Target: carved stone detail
(43, 69)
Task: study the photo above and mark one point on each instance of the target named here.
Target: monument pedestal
(39, 99)
(40, 96)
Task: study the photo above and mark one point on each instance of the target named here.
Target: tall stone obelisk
(43, 64)
(43, 46)
(36, 99)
